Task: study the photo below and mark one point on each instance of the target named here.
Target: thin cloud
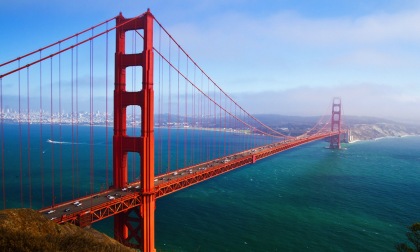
(359, 99)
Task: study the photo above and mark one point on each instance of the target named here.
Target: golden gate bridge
(171, 132)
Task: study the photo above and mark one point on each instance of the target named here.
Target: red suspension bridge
(178, 128)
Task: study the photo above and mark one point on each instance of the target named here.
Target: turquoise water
(310, 198)
(307, 199)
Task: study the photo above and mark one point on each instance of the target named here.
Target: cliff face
(378, 130)
(28, 230)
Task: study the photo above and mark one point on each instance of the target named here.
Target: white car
(51, 211)
(111, 197)
(124, 189)
(76, 203)
(79, 204)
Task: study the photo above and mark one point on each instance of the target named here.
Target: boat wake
(58, 142)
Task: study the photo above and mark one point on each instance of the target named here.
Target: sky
(275, 56)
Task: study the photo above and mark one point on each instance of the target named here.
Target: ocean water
(310, 198)
(360, 198)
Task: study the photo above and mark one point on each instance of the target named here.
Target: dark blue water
(310, 198)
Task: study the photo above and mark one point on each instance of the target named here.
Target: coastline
(383, 137)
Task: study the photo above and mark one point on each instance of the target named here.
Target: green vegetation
(414, 237)
(28, 230)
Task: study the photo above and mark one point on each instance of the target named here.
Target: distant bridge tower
(335, 141)
(135, 227)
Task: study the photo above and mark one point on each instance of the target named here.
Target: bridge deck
(96, 207)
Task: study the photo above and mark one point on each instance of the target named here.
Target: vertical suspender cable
(52, 132)
(159, 135)
(72, 124)
(194, 138)
(225, 140)
(2, 144)
(186, 119)
(215, 122)
(91, 113)
(254, 144)
(247, 136)
(77, 120)
(249, 129)
(169, 110)
(177, 132)
(221, 125)
(203, 147)
(243, 130)
(228, 127)
(236, 128)
(160, 147)
(250, 145)
(106, 110)
(29, 139)
(209, 116)
(203, 111)
(41, 149)
(246, 130)
(160, 74)
(207, 122)
(198, 121)
(20, 145)
(60, 159)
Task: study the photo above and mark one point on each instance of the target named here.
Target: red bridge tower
(335, 141)
(135, 227)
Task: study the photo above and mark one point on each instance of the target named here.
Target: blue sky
(282, 57)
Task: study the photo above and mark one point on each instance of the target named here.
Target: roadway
(110, 202)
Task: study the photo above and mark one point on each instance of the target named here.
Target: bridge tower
(335, 141)
(135, 228)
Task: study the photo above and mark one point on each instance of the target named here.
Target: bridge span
(51, 87)
(86, 210)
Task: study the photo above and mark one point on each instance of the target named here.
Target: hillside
(362, 127)
(28, 230)
(369, 128)
(374, 131)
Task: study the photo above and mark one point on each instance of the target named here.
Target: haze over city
(279, 57)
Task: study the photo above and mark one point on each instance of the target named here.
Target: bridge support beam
(127, 225)
(335, 141)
